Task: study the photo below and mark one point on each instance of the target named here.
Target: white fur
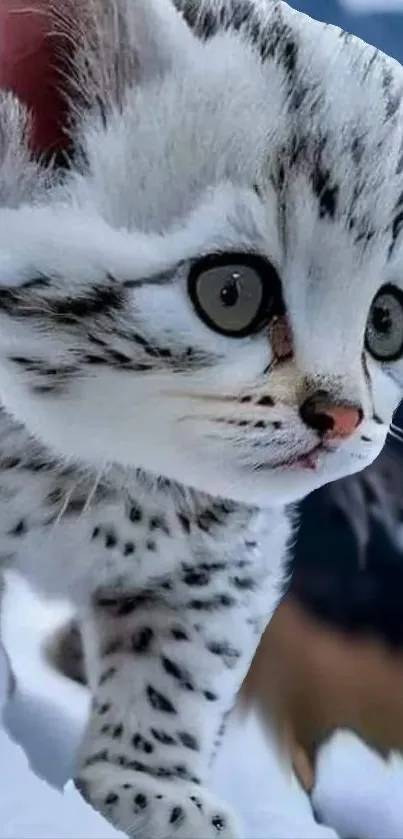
(168, 178)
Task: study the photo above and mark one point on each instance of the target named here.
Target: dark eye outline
(271, 304)
(394, 291)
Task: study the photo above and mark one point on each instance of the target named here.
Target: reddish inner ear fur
(30, 59)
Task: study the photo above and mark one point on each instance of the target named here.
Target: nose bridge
(328, 340)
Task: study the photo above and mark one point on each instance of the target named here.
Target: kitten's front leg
(158, 704)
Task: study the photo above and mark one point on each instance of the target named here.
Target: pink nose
(332, 420)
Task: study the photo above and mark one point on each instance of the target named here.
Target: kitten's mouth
(309, 460)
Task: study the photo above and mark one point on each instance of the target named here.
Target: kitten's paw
(144, 807)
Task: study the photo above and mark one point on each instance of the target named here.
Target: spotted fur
(145, 459)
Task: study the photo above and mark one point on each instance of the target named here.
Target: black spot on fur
(218, 823)
(9, 463)
(229, 654)
(140, 801)
(216, 602)
(117, 731)
(106, 729)
(104, 708)
(196, 577)
(163, 737)
(20, 529)
(125, 606)
(142, 744)
(136, 765)
(207, 519)
(265, 401)
(210, 696)
(107, 675)
(244, 583)
(326, 192)
(110, 539)
(392, 95)
(159, 523)
(111, 798)
(135, 513)
(196, 801)
(177, 816)
(151, 545)
(188, 740)
(129, 548)
(179, 634)
(160, 702)
(184, 522)
(142, 639)
(98, 757)
(172, 669)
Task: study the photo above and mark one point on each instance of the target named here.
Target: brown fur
(312, 680)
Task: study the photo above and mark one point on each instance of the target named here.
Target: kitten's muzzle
(331, 420)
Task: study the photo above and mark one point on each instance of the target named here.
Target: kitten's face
(216, 295)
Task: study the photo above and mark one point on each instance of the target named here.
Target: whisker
(64, 507)
(94, 488)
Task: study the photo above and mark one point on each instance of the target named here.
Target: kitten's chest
(70, 534)
(210, 560)
(128, 540)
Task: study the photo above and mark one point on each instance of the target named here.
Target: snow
(356, 793)
(31, 809)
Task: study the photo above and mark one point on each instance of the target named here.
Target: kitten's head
(215, 293)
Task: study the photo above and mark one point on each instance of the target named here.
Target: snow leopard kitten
(199, 325)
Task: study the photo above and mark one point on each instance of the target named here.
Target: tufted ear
(63, 57)
(22, 178)
(118, 44)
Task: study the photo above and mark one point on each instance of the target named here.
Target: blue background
(383, 30)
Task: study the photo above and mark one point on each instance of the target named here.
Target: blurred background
(379, 22)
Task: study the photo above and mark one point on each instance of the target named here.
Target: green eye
(384, 333)
(235, 294)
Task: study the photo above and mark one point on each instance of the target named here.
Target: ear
(22, 179)
(119, 44)
(30, 55)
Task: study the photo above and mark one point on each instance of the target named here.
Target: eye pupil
(382, 320)
(229, 294)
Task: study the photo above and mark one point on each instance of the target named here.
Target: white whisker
(94, 488)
